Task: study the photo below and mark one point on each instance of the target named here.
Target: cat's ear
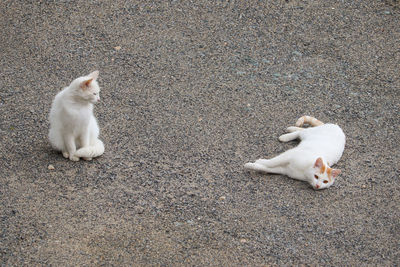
(86, 84)
(335, 173)
(318, 163)
(94, 75)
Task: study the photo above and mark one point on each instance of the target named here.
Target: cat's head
(322, 176)
(87, 88)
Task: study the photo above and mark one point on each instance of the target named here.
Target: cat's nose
(316, 186)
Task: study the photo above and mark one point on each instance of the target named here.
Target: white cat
(320, 147)
(73, 127)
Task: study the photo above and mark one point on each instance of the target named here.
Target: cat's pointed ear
(336, 172)
(86, 84)
(318, 163)
(94, 75)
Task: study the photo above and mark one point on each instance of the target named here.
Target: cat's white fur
(320, 147)
(73, 127)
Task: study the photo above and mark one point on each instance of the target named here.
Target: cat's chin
(318, 188)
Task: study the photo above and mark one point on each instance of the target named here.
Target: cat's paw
(283, 138)
(249, 166)
(73, 158)
(65, 154)
(255, 167)
(288, 137)
(292, 129)
(88, 159)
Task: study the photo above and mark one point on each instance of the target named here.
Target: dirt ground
(192, 90)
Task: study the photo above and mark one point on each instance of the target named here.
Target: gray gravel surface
(191, 90)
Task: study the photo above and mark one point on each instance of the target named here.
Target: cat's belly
(295, 172)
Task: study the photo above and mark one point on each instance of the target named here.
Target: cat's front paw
(283, 138)
(65, 154)
(288, 137)
(292, 129)
(73, 158)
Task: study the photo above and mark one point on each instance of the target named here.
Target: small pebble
(363, 186)
(242, 240)
(222, 198)
(297, 53)
(51, 167)
(117, 48)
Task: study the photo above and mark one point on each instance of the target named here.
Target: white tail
(310, 120)
(91, 151)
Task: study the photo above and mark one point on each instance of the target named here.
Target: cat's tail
(91, 151)
(310, 120)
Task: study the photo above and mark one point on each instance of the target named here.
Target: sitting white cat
(73, 127)
(320, 147)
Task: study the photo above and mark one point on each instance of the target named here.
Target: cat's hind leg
(289, 136)
(280, 160)
(262, 168)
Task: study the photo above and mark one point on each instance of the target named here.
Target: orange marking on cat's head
(318, 163)
(87, 83)
(329, 173)
(322, 169)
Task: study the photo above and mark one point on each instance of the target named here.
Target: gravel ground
(191, 90)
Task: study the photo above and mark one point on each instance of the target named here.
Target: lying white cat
(320, 147)
(73, 127)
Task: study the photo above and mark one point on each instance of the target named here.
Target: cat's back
(58, 98)
(327, 131)
(326, 140)
(58, 106)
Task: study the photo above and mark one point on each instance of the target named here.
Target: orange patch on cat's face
(322, 169)
(328, 172)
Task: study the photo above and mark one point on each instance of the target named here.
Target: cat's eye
(94, 93)
(316, 176)
(325, 182)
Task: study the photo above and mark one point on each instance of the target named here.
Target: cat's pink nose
(316, 186)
